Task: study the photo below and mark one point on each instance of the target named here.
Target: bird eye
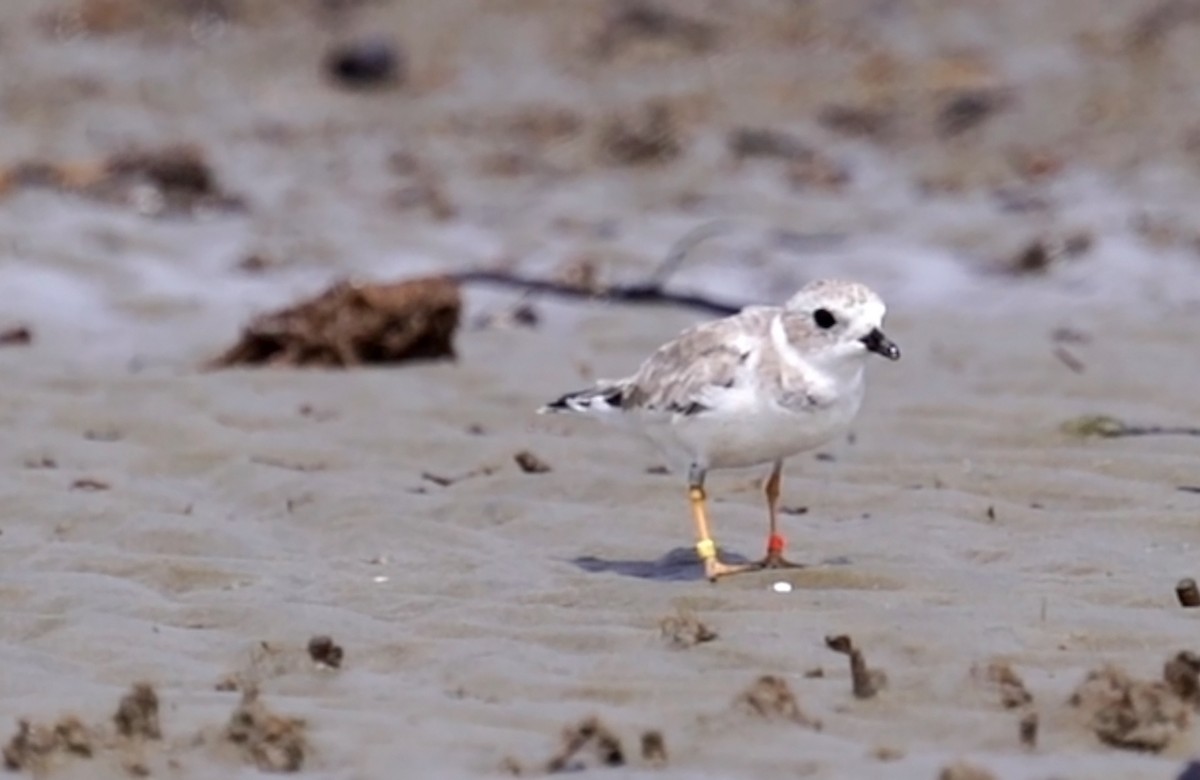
(824, 319)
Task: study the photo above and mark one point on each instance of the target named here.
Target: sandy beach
(194, 529)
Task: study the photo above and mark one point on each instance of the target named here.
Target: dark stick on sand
(648, 292)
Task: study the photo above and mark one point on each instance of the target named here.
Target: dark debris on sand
(366, 62)
(530, 463)
(1043, 254)
(352, 325)
(325, 652)
(16, 336)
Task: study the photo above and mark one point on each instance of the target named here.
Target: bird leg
(706, 548)
(775, 541)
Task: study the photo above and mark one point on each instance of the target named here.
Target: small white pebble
(380, 578)
(782, 587)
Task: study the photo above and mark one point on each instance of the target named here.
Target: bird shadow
(678, 565)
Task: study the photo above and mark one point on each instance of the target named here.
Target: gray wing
(682, 375)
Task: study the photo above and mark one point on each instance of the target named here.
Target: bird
(751, 389)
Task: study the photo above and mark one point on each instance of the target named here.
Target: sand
(194, 530)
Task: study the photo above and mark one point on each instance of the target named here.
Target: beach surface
(1016, 182)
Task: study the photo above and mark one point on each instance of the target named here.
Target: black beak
(880, 344)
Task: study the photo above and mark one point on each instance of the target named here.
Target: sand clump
(865, 681)
(590, 744)
(771, 698)
(684, 630)
(591, 739)
(1187, 593)
(38, 747)
(1008, 685)
(530, 463)
(1027, 730)
(135, 742)
(654, 748)
(269, 741)
(35, 746)
(806, 166)
(961, 770)
(1182, 675)
(137, 714)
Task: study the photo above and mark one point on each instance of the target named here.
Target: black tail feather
(587, 400)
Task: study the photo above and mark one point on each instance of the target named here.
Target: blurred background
(172, 167)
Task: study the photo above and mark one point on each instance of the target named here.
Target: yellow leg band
(696, 494)
(706, 549)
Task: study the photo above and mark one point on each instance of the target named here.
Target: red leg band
(775, 543)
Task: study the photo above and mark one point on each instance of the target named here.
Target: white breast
(751, 427)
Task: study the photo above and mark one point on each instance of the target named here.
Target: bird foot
(715, 570)
(775, 560)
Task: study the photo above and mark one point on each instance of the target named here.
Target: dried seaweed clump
(355, 324)
(34, 745)
(1128, 713)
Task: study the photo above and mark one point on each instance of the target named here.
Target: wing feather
(683, 375)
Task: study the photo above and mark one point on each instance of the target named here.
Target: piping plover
(750, 389)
